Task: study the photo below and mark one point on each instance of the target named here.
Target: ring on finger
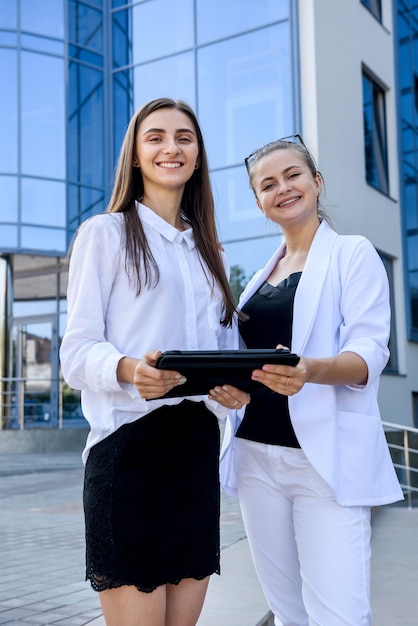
(234, 403)
(288, 379)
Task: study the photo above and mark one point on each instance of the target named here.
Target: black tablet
(207, 369)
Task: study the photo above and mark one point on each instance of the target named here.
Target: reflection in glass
(217, 19)
(245, 93)
(8, 199)
(44, 17)
(122, 38)
(8, 111)
(43, 202)
(237, 214)
(47, 239)
(43, 115)
(162, 27)
(85, 25)
(81, 54)
(83, 202)
(123, 107)
(178, 72)
(8, 237)
(375, 143)
(86, 129)
(407, 26)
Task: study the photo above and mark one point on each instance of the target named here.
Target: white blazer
(341, 304)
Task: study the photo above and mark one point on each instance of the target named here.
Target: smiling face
(285, 188)
(166, 149)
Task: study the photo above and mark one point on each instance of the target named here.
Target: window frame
(375, 137)
(375, 8)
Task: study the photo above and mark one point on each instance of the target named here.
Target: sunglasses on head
(297, 139)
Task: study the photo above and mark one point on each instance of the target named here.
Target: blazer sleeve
(365, 305)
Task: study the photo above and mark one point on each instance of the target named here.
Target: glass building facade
(407, 71)
(72, 73)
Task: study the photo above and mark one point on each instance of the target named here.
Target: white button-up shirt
(107, 320)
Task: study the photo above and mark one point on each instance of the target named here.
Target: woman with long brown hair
(149, 276)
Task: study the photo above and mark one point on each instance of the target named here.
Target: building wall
(338, 39)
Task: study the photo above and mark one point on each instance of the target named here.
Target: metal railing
(403, 446)
(28, 403)
(41, 402)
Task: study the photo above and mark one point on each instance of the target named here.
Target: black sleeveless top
(270, 316)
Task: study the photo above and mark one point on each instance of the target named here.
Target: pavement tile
(42, 576)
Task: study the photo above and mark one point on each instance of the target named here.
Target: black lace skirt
(151, 500)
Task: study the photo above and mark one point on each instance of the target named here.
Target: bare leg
(185, 601)
(126, 606)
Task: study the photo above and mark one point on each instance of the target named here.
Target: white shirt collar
(149, 217)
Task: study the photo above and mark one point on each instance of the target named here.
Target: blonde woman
(307, 455)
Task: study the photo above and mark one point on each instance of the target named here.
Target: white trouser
(311, 555)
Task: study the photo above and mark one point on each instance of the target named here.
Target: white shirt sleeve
(88, 360)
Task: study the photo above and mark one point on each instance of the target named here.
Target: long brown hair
(197, 208)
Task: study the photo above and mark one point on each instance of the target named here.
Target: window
(375, 7)
(392, 364)
(375, 144)
(415, 408)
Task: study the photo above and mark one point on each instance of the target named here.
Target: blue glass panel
(43, 44)
(84, 202)
(86, 128)
(8, 14)
(123, 107)
(411, 206)
(237, 214)
(8, 199)
(43, 115)
(119, 3)
(403, 26)
(217, 19)
(178, 81)
(8, 237)
(162, 27)
(48, 239)
(85, 25)
(252, 255)
(44, 17)
(8, 111)
(43, 202)
(87, 56)
(245, 93)
(405, 70)
(8, 38)
(412, 243)
(122, 39)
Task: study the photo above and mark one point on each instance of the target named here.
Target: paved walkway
(42, 555)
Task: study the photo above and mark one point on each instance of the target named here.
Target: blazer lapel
(309, 290)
